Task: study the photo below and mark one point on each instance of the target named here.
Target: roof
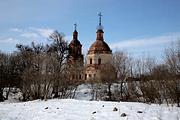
(75, 42)
(99, 46)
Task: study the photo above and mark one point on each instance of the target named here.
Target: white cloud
(8, 40)
(32, 32)
(145, 42)
(29, 35)
(45, 32)
(151, 46)
(42, 32)
(16, 30)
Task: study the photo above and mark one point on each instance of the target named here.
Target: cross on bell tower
(75, 26)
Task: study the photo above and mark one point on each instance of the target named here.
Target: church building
(99, 57)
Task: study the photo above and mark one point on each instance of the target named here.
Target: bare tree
(59, 50)
(123, 65)
(35, 70)
(8, 76)
(148, 86)
(172, 60)
(3, 74)
(108, 76)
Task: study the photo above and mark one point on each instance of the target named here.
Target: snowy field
(68, 109)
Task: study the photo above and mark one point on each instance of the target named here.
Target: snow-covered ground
(68, 109)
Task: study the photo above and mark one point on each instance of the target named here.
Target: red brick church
(99, 58)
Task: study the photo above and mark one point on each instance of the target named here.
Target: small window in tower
(99, 61)
(85, 76)
(94, 75)
(91, 61)
(79, 76)
(90, 75)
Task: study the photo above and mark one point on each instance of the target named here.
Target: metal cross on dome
(100, 15)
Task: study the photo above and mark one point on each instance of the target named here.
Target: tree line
(147, 80)
(42, 72)
(39, 71)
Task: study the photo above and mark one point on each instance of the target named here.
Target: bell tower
(75, 49)
(75, 57)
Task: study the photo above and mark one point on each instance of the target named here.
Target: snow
(69, 109)
(83, 92)
(14, 95)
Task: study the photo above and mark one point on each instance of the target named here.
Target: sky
(137, 26)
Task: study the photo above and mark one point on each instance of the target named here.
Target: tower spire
(75, 33)
(99, 29)
(75, 26)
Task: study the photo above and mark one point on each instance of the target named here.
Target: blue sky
(137, 26)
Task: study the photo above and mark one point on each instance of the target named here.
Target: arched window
(90, 75)
(85, 76)
(99, 61)
(91, 61)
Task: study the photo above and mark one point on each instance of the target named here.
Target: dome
(75, 42)
(99, 46)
